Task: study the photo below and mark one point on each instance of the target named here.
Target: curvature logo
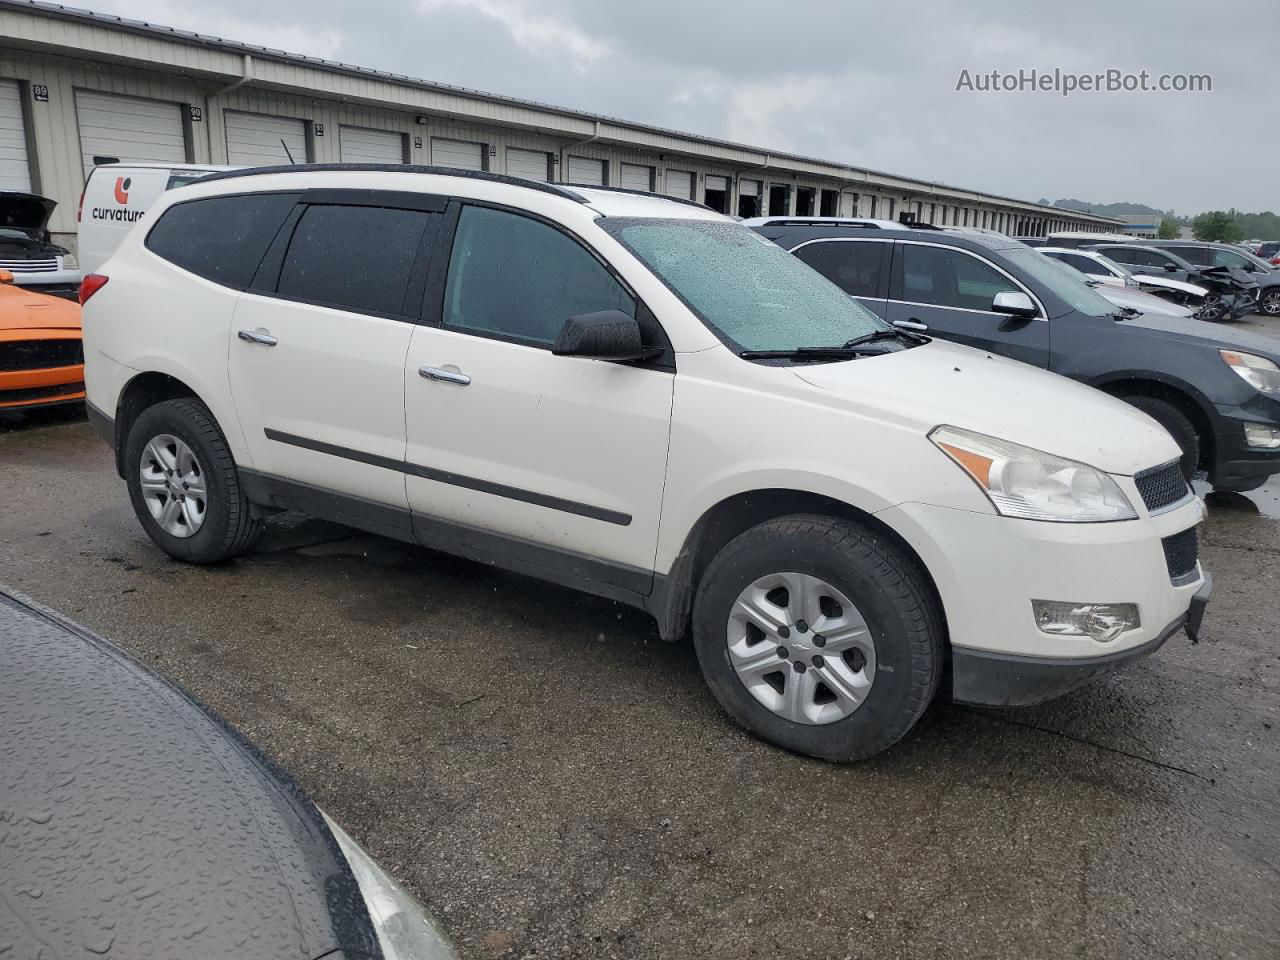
(118, 214)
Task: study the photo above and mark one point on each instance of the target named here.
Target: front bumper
(1235, 462)
(57, 283)
(1005, 680)
(988, 569)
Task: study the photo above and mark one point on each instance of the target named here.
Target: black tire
(228, 528)
(1179, 426)
(882, 583)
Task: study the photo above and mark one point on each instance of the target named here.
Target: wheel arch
(672, 601)
(1185, 398)
(143, 391)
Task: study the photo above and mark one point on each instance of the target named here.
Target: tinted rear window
(353, 258)
(220, 238)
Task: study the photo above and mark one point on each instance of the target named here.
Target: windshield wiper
(893, 333)
(807, 353)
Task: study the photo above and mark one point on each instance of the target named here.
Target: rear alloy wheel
(819, 635)
(1269, 302)
(183, 483)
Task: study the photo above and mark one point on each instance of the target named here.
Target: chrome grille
(29, 266)
(1161, 487)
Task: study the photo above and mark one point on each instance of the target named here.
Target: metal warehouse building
(76, 87)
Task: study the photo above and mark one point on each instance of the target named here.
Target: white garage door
(128, 128)
(15, 173)
(680, 184)
(254, 139)
(587, 171)
(457, 153)
(359, 145)
(530, 164)
(635, 176)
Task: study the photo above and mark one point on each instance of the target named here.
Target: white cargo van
(117, 195)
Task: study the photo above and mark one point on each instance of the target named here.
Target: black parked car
(1233, 292)
(1204, 254)
(135, 823)
(27, 249)
(1216, 391)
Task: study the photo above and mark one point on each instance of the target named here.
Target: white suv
(645, 400)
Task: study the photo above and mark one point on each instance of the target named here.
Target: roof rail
(553, 188)
(638, 193)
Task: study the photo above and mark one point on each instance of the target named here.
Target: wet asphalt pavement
(553, 780)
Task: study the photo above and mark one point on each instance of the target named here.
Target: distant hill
(1111, 209)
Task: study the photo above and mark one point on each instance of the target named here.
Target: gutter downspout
(564, 153)
(246, 77)
(737, 184)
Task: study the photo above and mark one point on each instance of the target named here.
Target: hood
(26, 211)
(948, 383)
(140, 824)
(1142, 302)
(1168, 284)
(23, 309)
(1235, 276)
(1210, 334)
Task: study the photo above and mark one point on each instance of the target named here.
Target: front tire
(1179, 426)
(819, 635)
(1214, 310)
(183, 484)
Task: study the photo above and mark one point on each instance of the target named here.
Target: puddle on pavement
(1263, 502)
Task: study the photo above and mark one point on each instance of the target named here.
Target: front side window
(222, 239)
(1228, 258)
(1136, 258)
(1200, 255)
(748, 290)
(517, 278)
(852, 265)
(949, 278)
(353, 258)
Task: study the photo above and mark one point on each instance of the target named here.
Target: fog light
(1260, 435)
(1099, 621)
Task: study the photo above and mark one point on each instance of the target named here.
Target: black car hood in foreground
(134, 823)
(1210, 334)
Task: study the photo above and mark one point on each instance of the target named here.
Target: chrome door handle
(253, 336)
(447, 376)
(911, 325)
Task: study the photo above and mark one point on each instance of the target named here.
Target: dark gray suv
(1204, 254)
(1216, 391)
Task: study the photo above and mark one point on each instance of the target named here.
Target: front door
(557, 462)
(950, 291)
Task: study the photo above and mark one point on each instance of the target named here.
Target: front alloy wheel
(173, 486)
(1270, 302)
(801, 648)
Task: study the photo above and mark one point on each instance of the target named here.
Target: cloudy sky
(867, 83)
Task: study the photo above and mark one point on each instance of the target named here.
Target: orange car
(41, 357)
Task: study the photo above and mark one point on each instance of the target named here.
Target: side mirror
(6, 277)
(1170, 267)
(606, 335)
(1014, 303)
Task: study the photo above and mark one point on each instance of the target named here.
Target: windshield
(747, 289)
(1077, 293)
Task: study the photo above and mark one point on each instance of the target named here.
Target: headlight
(69, 262)
(405, 929)
(1259, 372)
(1033, 485)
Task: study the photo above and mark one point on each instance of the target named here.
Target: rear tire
(212, 522)
(1179, 426)
(881, 678)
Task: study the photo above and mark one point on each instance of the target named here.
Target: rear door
(950, 291)
(858, 267)
(318, 343)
